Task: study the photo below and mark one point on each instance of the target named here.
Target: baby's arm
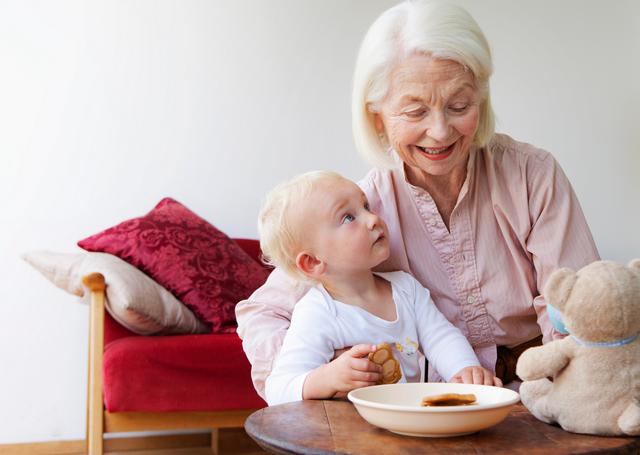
(350, 370)
(308, 344)
(303, 369)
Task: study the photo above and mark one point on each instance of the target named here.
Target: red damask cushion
(199, 264)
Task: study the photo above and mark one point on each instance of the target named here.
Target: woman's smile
(436, 153)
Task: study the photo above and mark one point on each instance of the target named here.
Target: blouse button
(471, 299)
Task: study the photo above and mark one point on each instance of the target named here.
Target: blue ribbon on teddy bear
(555, 316)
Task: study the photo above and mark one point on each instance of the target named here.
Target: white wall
(106, 107)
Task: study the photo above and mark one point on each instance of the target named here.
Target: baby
(318, 228)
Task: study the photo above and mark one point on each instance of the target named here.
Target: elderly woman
(478, 218)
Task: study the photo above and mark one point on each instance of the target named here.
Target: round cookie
(383, 356)
(449, 399)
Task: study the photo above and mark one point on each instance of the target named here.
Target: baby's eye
(348, 218)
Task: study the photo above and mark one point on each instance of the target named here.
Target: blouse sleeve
(559, 235)
(263, 320)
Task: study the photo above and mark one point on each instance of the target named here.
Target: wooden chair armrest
(94, 281)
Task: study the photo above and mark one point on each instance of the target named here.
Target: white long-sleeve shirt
(321, 325)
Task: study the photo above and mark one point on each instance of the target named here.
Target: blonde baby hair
(280, 239)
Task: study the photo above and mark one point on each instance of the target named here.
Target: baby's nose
(373, 220)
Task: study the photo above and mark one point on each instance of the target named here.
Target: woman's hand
(476, 375)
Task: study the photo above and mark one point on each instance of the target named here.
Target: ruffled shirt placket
(457, 255)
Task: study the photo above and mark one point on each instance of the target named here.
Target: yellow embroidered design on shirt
(409, 347)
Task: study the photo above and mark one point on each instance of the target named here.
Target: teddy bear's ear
(559, 286)
(634, 264)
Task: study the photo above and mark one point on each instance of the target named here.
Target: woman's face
(430, 114)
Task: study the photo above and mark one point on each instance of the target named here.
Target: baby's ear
(309, 264)
(559, 286)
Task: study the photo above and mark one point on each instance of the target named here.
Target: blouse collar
(468, 181)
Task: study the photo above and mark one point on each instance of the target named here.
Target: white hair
(280, 236)
(441, 30)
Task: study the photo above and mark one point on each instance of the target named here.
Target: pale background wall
(106, 107)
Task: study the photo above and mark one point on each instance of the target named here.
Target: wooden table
(334, 426)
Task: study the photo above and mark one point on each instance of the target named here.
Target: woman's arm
(559, 236)
(263, 320)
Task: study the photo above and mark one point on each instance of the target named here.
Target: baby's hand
(339, 352)
(353, 369)
(476, 375)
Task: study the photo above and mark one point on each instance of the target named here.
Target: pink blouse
(516, 220)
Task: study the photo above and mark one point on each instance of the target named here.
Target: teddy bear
(595, 370)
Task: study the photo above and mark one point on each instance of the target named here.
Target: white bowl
(396, 407)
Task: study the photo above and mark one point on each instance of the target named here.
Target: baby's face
(340, 228)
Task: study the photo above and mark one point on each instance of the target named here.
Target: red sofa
(164, 382)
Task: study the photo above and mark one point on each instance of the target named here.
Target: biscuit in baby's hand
(449, 399)
(383, 356)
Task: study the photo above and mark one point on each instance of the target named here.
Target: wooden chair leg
(215, 441)
(87, 431)
(95, 415)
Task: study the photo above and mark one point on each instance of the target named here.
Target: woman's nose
(438, 127)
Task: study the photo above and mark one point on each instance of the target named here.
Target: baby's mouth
(380, 238)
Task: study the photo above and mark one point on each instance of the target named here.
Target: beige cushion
(133, 299)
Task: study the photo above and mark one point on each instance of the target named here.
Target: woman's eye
(366, 207)
(348, 218)
(458, 108)
(418, 113)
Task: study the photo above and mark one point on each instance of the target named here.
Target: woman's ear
(377, 122)
(309, 264)
(559, 286)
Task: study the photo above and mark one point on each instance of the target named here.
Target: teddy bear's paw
(629, 421)
(539, 362)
